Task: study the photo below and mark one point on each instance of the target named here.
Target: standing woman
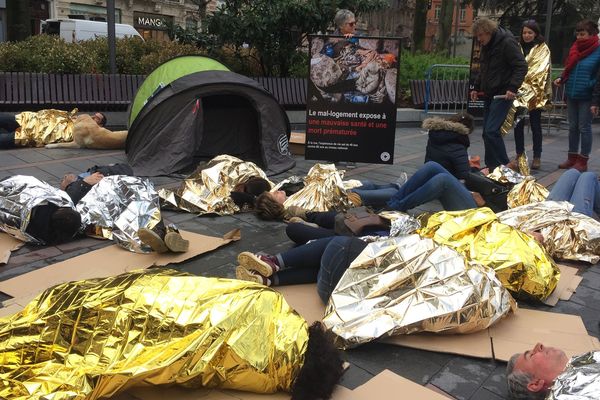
(536, 88)
(579, 77)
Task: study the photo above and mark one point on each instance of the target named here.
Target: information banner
(474, 108)
(351, 104)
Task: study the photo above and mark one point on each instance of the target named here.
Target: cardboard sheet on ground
(567, 284)
(108, 261)
(378, 387)
(8, 244)
(513, 334)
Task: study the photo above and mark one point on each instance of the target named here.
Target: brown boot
(581, 163)
(536, 163)
(176, 243)
(153, 239)
(571, 159)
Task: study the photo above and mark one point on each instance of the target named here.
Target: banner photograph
(351, 106)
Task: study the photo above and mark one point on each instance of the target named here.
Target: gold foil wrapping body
(522, 265)
(323, 190)
(207, 190)
(94, 338)
(117, 207)
(19, 195)
(528, 191)
(536, 90)
(580, 380)
(567, 235)
(44, 127)
(412, 284)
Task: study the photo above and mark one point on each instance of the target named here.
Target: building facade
(465, 22)
(150, 18)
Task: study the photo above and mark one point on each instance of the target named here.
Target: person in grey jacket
(502, 71)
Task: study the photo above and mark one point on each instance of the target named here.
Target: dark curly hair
(322, 369)
(268, 208)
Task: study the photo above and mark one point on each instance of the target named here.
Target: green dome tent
(185, 112)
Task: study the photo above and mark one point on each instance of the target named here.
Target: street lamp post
(548, 19)
(110, 22)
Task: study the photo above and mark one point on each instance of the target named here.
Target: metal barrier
(446, 88)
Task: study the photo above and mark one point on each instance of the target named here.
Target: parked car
(72, 30)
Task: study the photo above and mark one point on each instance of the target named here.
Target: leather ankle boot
(571, 159)
(581, 163)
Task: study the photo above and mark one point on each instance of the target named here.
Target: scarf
(579, 50)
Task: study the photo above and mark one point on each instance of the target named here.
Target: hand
(93, 178)
(479, 200)
(485, 171)
(474, 95)
(348, 35)
(558, 81)
(594, 110)
(510, 95)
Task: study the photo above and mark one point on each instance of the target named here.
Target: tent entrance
(230, 126)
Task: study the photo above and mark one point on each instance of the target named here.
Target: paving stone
(462, 377)
(40, 253)
(496, 382)
(354, 377)
(484, 394)
(587, 296)
(57, 170)
(31, 156)
(84, 242)
(7, 160)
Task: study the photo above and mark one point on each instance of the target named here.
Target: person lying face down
(547, 372)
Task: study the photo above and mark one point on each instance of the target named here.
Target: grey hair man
(531, 374)
(501, 73)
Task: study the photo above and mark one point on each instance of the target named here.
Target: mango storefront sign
(151, 21)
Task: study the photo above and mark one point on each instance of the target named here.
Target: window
(191, 24)
(463, 13)
(437, 12)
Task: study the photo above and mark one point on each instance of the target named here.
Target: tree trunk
(419, 25)
(445, 25)
(18, 22)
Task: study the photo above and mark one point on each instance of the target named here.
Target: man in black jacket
(502, 70)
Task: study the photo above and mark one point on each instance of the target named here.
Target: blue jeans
(374, 195)
(535, 121)
(580, 189)
(8, 126)
(580, 126)
(432, 182)
(493, 118)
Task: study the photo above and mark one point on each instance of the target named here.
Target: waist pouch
(354, 221)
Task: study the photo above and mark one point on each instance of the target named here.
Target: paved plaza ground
(460, 377)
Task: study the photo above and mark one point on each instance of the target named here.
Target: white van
(72, 30)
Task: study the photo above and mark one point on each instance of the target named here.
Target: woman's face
(528, 35)
(582, 35)
(279, 196)
(349, 27)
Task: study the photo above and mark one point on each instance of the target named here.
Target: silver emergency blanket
(117, 206)
(19, 194)
(580, 380)
(503, 174)
(567, 235)
(400, 223)
(411, 284)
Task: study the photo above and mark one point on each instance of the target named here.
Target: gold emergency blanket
(323, 190)
(580, 380)
(44, 127)
(536, 90)
(521, 263)
(503, 174)
(411, 284)
(207, 190)
(526, 192)
(94, 338)
(567, 235)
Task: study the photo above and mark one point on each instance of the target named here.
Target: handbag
(493, 192)
(354, 221)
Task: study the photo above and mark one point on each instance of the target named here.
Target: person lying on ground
(36, 212)
(55, 128)
(164, 327)
(547, 371)
(581, 189)
(79, 185)
(270, 205)
(323, 261)
(448, 142)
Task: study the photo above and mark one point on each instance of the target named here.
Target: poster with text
(351, 105)
(474, 108)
